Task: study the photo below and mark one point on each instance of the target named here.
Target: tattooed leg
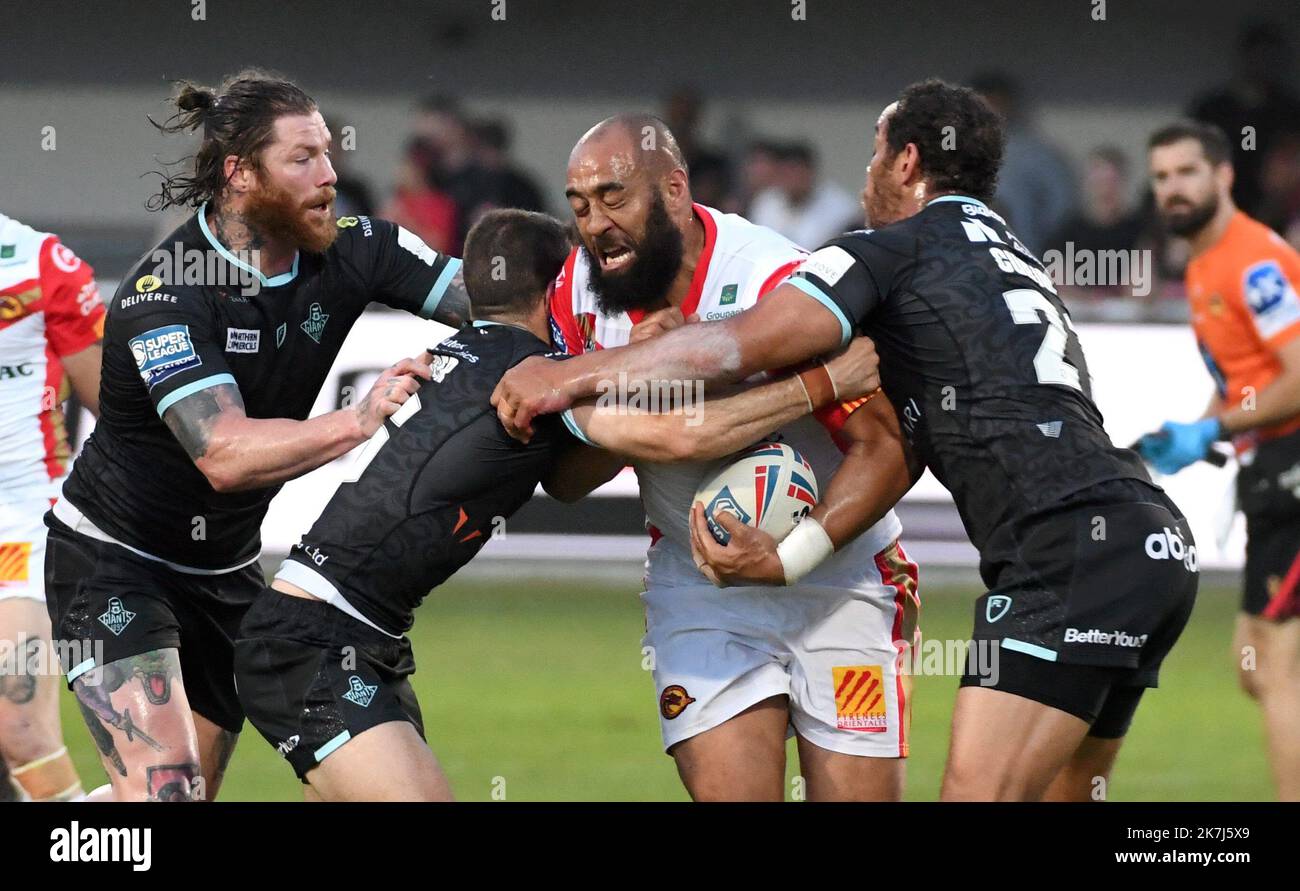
(216, 746)
(31, 735)
(138, 713)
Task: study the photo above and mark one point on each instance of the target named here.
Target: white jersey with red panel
(49, 307)
(834, 644)
(739, 263)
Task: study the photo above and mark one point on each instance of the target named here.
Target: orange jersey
(1245, 307)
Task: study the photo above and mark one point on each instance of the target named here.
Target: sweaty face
(294, 196)
(1185, 186)
(632, 245)
(882, 196)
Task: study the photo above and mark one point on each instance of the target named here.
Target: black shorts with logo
(1266, 491)
(1102, 589)
(115, 604)
(311, 677)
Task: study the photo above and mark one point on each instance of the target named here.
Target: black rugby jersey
(430, 488)
(276, 338)
(980, 360)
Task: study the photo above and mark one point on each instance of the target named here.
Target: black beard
(644, 283)
(1185, 226)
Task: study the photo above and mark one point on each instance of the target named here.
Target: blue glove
(1177, 445)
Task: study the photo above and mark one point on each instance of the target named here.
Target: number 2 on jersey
(1049, 362)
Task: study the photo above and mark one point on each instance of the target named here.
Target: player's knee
(24, 736)
(1248, 680)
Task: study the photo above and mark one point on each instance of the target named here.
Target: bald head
(644, 141)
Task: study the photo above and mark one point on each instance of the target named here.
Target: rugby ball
(769, 486)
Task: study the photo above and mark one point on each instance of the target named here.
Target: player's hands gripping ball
(748, 558)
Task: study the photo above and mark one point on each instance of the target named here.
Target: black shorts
(123, 605)
(311, 677)
(1101, 592)
(1266, 491)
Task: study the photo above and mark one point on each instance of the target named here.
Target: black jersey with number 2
(980, 360)
(430, 489)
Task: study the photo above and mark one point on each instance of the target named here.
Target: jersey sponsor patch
(860, 698)
(1273, 301)
(415, 244)
(441, 366)
(829, 264)
(243, 340)
(14, 559)
(162, 352)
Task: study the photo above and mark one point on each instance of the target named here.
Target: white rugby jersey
(49, 307)
(739, 263)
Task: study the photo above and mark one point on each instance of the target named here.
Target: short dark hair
(238, 118)
(1213, 143)
(511, 257)
(969, 164)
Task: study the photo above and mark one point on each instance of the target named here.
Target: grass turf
(534, 687)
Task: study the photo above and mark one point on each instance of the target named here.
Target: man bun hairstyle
(238, 118)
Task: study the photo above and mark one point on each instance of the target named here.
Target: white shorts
(836, 653)
(22, 548)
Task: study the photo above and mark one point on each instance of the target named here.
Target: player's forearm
(710, 428)
(253, 453)
(1278, 402)
(866, 486)
(704, 352)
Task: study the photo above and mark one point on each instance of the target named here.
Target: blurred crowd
(455, 167)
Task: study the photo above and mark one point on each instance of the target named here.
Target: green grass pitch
(538, 682)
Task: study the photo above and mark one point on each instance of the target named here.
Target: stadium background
(530, 662)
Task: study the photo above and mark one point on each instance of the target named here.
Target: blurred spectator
(710, 169)
(508, 186)
(1279, 207)
(417, 202)
(1258, 96)
(352, 193)
(1107, 220)
(802, 207)
(453, 168)
(759, 173)
(1035, 188)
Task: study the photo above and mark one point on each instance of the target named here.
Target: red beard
(279, 215)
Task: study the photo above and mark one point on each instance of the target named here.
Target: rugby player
(208, 379)
(736, 670)
(1241, 284)
(980, 361)
(322, 659)
(51, 324)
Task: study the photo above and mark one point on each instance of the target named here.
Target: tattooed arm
(453, 309)
(237, 453)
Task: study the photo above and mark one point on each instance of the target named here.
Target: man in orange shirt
(1241, 285)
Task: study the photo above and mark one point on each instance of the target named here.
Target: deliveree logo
(860, 698)
(243, 340)
(288, 745)
(1169, 545)
(359, 692)
(996, 607)
(117, 617)
(673, 701)
(162, 352)
(315, 323)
